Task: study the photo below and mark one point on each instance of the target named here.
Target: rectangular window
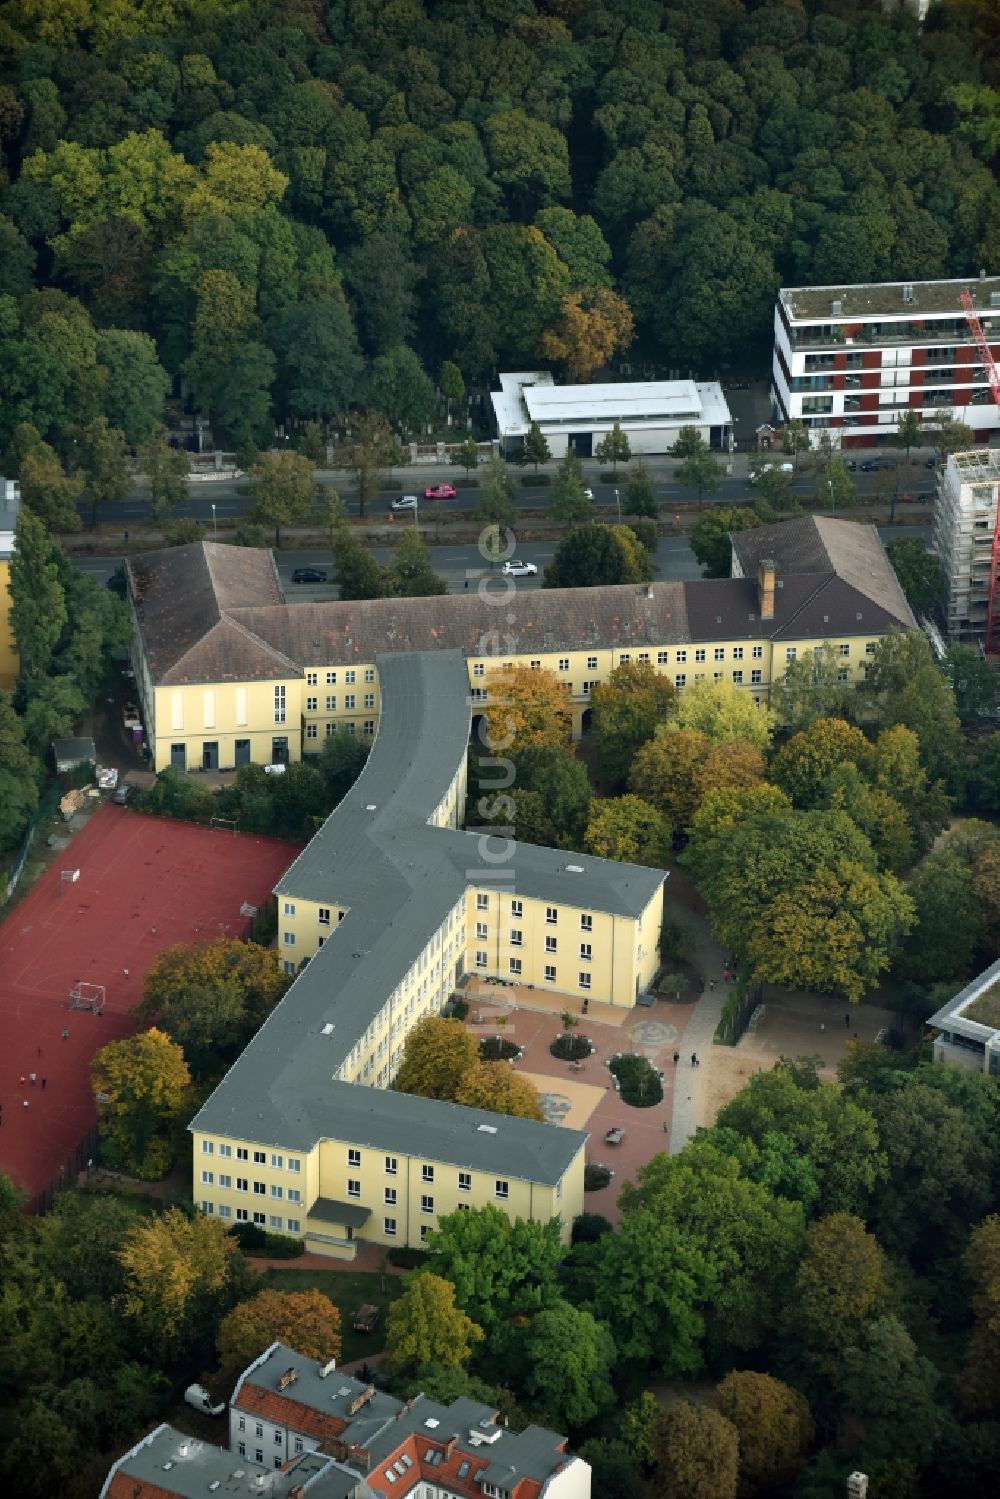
(350, 677)
(551, 915)
(312, 731)
(699, 655)
(354, 1158)
(389, 1227)
(242, 1184)
(758, 653)
(845, 650)
(349, 700)
(591, 663)
(478, 670)
(516, 937)
(662, 658)
(682, 658)
(465, 1181)
(390, 1197)
(738, 678)
(482, 930)
(289, 908)
(482, 902)
(680, 679)
(277, 1192)
(643, 658)
(208, 1178)
(426, 1203)
(369, 699)
(242, 707)
(208, 707)
(312, 678)
(225, 1180)
(241, 1215)
(369, 673)
(624, 658)
(259, 1158)
(368, 727)
(312, 704)
(586, 952)
(331, 702)
(323, 915)
(427, 1174)
(287, 967)
(294, 1195)
(584, 980)
(756, 678)
(790, 653)
(564, 663)
(207, 1147)
(516, 908)
(279, 704)
(720, 653)
(289, 939)
(550, 973)
(515, 967)
(259, 1189)
(482, 961)
(225, 1211)
(242, 1154)
(275, 1221)
(331, 679)
(294, 1226)
(869, 647)
(260, 1219)
(501, 1190)
(550, 944)
(738, 653)
(586, 923)
(391, 1165)
(226, 1150)
(353, 1187)
(843, 674)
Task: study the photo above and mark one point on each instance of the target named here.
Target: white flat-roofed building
(849, 360)
(968, 1026)
(650, 413)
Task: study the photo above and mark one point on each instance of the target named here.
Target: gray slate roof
(399, 878)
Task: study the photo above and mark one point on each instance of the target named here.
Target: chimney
(765, 586)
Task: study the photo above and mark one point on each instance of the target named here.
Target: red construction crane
(993, 375)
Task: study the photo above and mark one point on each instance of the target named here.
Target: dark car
(309, 575)
(850, 464)
(930, 463)
(874, 465)
(123, 793)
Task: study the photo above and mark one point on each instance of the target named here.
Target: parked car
(404, 502)
(197, 1396)
(851, 465)
(515, 569)
(440, 492)
(309, 575)
(875, 465)
(123, 793)
(930, 463)
(589, 493)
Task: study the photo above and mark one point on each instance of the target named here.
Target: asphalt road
(220, 501)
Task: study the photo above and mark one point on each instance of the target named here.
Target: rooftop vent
(327, 1368)
(167, 1467)
(371, 807)
(328, 1030)
(836, 307)
(432, 1422)
(483, 1129)
(184, 1449)
(574, 869)
(907, 292)
(718, 619)
(213, 1486)
(291, 1375)
(344, 1390)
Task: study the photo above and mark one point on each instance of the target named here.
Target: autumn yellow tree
(437, 1055)
(237, 181)
(664, 774)
(593, 325)
(142, 1087)
(307, 1321)
(524, 709)
(736, 764)
(497, 1087)
(774, 1427)
(177, 1269)
(425, 1328)
(628, 829)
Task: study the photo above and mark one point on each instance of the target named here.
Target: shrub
(638, 1080)
(459, 1009)
(408, 1259)
(595, 1177)
(497, 1049)
(570, 1048)
(590, 1227)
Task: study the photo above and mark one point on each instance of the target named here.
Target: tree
(663, 773)
(167, 470)
(893, 1390)
(48, 491)
(38, 610)
(451, 384)
(570, 501)
(615, 448)
(535, 449)
(626, 712)
(722, 712)
(594, 556)
(436, 1057)
(629, 830)
(211, 997)
(981, 1376)
(496, 490)
(425, 1327)
(100, 453)
(285, 491)
(568, 1358)
(948, 925)
(905, 686)
(908, 431)
(803, 763)
(525, 709)
(974, 682)
(700, 471)
(774, 490)
(710, 538)
(307, 1321)
(687, 444)
(137, 383)
(381, 276)
(51, 712)
(834, 485)
(492, 1086)
(341, 760)
(774, 1428)
(178, 1271)
(319, 370)
(142, 1086)
(795, 440)
(500, 1270)
(465, 455)
(368, 453)
(952, 436)
(410, 573)
(640, 496)
(841, 1286)
(561, 783)
(695, 1452)
(356, 573)
(812, 687)
(402, 390)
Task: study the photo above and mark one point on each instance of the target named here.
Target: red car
(440, 492)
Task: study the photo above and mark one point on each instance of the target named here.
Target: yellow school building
(392, 904)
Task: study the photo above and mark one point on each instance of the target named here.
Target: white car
(589, 493)
(197, 1396)
(405, 502)
(519, 569)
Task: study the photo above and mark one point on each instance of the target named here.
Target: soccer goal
(67, 877)
(85, 996)
(226, 824)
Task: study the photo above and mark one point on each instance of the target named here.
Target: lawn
(347, 1292)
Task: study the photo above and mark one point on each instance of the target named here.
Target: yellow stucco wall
(9, 663)
(225, 714)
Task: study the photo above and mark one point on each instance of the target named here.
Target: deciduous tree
(356, 573)
(696, 1452)
(436, 1057)
(137, 383)
(626, 712)
(142, 1087)
(568, 1360)
(811, 688)
(167, 470)
(410, 573)
(981, 1376)
(368, 453)
(841, 1286)
(465, 455)
(496, 1087)
(500, 1269)
(525, 709)
(723, 712)
(307, 1321)
(615, 448)
(569, 499)
(38, 610)
(663, 773)
(803, 763)
(640, 496)
(710, 541)
(773, 1424)
(424, 1327)
(536, 449)
(48, 491)
(100, 453)
(629, 830)
(284, 490)
(496, 490)
(178, 1271)
(596, 555)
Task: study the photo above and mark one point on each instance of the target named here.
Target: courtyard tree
(142, 1087)
(306, 1320)
(626, 712)
(500, 1090)
(841, 1286)
(723, 712)
(500, 1269)
(568, 1358)
(525, 709)
(804, 762)
(629, 830)
(424, 1327)
(905, 686)
(813, 686)
(436, 1056)
(663, 773)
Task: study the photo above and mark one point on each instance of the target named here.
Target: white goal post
(86, 996)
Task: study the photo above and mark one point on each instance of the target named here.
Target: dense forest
(295, 208)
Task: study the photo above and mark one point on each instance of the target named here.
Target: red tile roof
(283, 1410)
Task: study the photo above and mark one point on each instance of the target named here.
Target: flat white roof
(532, 397)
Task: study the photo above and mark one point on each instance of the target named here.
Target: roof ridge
(226, 616)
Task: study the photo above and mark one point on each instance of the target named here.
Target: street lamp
(618, 502)
(215, 524)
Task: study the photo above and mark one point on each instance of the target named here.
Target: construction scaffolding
(965, 528)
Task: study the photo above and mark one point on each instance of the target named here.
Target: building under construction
(965, 526)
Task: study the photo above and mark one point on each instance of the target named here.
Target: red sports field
(145, 884)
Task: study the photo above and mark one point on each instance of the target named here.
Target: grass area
(347, 1291)
(985, 1008)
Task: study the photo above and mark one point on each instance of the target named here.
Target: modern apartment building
(965, 519)
(848, 360)
(10, 509)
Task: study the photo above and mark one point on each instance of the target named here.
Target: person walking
(847, 1020)
(677, 1057)
(44, 1081)
(694, 1059)
(34, 1078)
(711, 986)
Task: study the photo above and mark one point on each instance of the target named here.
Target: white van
(197, 1396)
